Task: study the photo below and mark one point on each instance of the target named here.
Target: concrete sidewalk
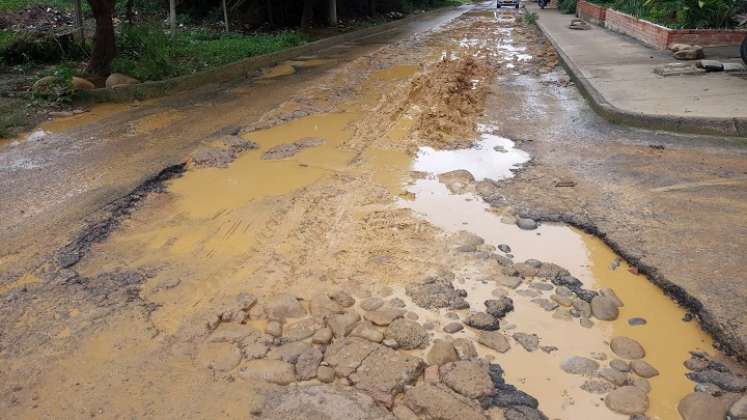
(616, 75)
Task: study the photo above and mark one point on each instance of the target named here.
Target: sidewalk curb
(731, 127)
(239, 69)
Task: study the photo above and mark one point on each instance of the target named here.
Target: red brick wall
(590, 12)
(650, 34)
(661, 38)
(706, 37)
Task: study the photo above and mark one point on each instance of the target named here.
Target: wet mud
(355, 244)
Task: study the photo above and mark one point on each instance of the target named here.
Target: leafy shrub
(530, 18)
(691, 14)
(144, 52)
(60, 88)
(567, 6)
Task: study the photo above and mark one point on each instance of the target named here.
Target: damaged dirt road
(355, 236)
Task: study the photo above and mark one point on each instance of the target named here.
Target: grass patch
(12, 116)
(148, 53)
(530, 18)
(6, 39)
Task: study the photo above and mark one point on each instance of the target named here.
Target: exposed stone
(636, 321)
(284, 306)
(468, 378)
(396, 303)
(429, 325)
(495, 341)
(372, 304)
(586, 322)
(613, 375)
(116, 80)
(701, 406)
(583, 307)
(300, 330)
(620, 365)
(627, 400)
(365, 329)
(563, 314)
(526, 224)
(510, 282)
(643, 369)
(316, 402)
(322, 306)
(641, 383)
(627, 348)
(437, 292)
(738, 410)
(272, 371)
(385, 372)
(219, 356)
(342, 298)
(408, 334)
(392, 344)
(325, 374)
(724, 380)
(562, 300)
(499, 307)
(482, 321)
(595, 386)
(342, 324)
(530, 342)
(465, 349)
(453, 327)
(231, 332)
(522, 412)
(402, 412)
(611, 295)
(322, 336)
(541, 286)
(384, 317)
(345, 355)
(464, 241)
(578, 365)
(307, 364)
(439, 402)
(288, 352)
(442, 352)
(548, 349)
(431, 374)
(80, 83)
(604, 308)
(545, 304)
(274, 328)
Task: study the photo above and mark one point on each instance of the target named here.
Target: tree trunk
(104, 48)
(129, 14)
(172, 17)
(308, 13)
(332, 12)
(268, 9)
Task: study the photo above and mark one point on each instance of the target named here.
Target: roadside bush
(690, 14)
(60, 88)
(530, 18)
(148, 53)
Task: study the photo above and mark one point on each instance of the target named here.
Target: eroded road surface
(378, 242)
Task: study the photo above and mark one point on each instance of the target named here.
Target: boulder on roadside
(689, 52)
(116, 80)
(80, 83)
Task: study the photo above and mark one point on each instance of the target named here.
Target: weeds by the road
(530, 18)
(147, 53)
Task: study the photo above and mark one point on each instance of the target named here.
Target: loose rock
(329, 402)
(738, 410)
(468, 378)
(465, 349)
(482, 321)
(437, 292)
(308, 363)
(613, 375)
(442, 352)
(453, 327)
(408, 334)
(620, 365)
(284, 306)
(643, 369)
(578, 365)
(530, 342)
(701, 406)
(365, 329)
(342, 298)
(219, 356)
(526, 224)
(385, 372)
(627, 348)
(499, 307)
(384, 317)
(372, 303)
(342, 324)
(322, 336)
(627, 400)
(495, 341)
(272, 371)
(604, 308)
(440, 402)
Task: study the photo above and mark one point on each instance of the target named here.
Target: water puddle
(665, 336)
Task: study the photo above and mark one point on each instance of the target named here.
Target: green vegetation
(146, 52)
(59, 89)
(6, 39)
(567, 6)
(681, 14)
(530, 18)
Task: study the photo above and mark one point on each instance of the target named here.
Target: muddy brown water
(339, 211)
